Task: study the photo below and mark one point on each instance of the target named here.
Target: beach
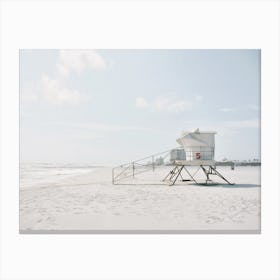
(84, 199)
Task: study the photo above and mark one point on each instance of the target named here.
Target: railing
(150, 163)
(131, 169)
(200, 153)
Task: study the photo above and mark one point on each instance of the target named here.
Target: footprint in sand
(213, 219)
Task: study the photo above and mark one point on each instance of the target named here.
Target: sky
(109, 107)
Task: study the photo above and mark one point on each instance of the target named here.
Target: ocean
(43, 174)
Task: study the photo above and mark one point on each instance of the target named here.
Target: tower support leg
(206, 172)
(220, 175)
(179, 173)
(174, 174)
(170, 174)
(190, 174)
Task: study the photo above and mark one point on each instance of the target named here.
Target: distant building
(244, 163)
(254, 162)
(177, 154)
(225, 163)
(159, 161)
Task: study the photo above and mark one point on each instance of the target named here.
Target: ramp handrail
(130, 169)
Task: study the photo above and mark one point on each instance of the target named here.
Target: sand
(90, 202)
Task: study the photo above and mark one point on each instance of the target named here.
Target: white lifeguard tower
(199, 147)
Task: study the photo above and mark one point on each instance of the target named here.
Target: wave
(42, 174)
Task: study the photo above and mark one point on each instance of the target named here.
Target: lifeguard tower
(199, 147)
(196, 149)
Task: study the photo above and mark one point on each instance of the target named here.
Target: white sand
(91, 202)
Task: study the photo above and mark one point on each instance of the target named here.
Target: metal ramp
(128, 172)
(157, 165)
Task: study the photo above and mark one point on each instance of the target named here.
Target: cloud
(223, 128)
(29, 92)
(226, 110)
(79, 60)
(54, 90)
(51, 91)
(254, 123)
(249, 123)
(55, 93)
(164, 104)
(93, 130)
(95, 126)
(198, 98)
(141, 102)
(254, 107)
